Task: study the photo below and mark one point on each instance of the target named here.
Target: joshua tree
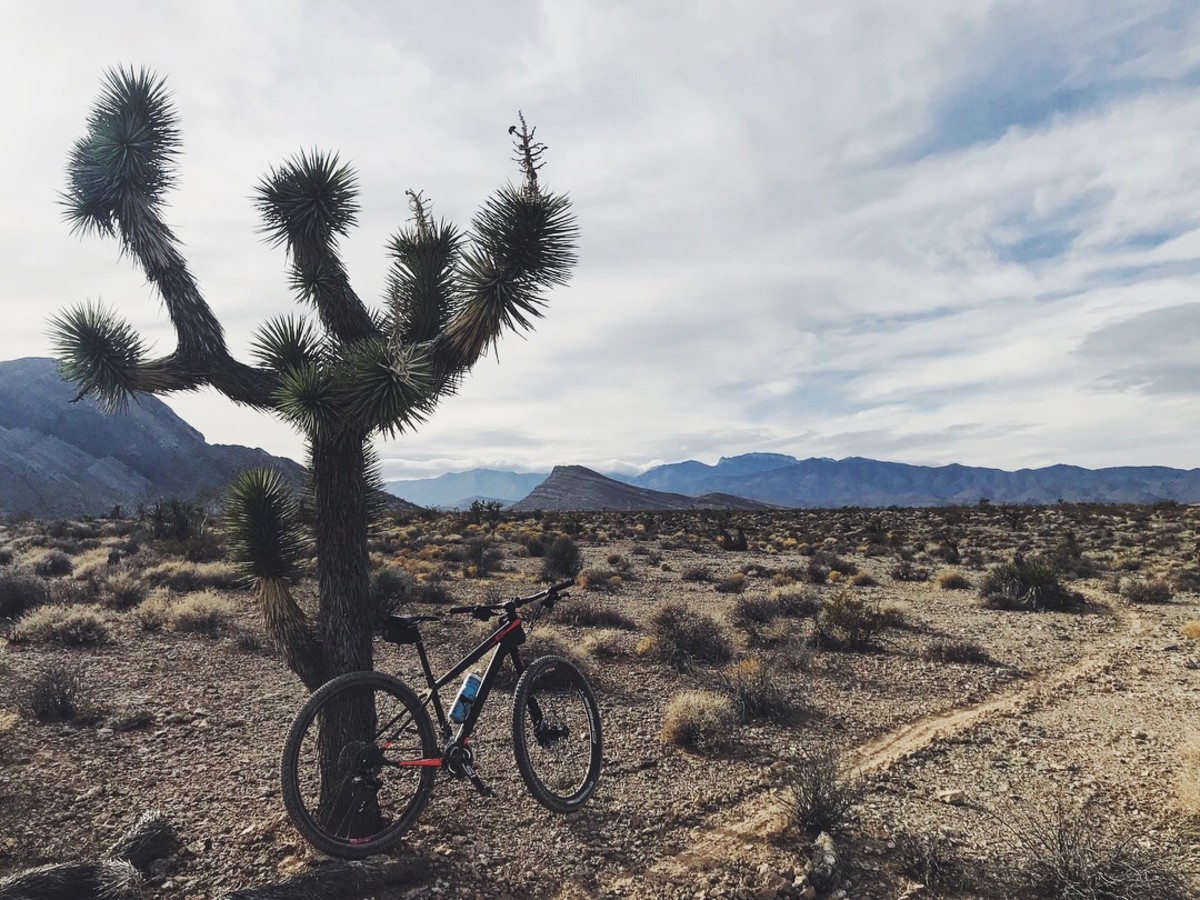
(351, 374)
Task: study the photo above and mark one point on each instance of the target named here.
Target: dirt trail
(758, 816)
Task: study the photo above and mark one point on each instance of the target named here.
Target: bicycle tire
(557, 737)
(367, 806)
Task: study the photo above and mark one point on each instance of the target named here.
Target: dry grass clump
(950, 580)
(696, 573)
(1191, 629)
(53, 563)
(206, 613)
(20, 591)
(933, 862)
(797, 602)
(152, 613)
(700, 720)
(864, 579)
(56, 692)
(70, 626)
(591, 612)
(607, 643)
(1150, 590)
(122, 589)
(684, 639)
(733, 584)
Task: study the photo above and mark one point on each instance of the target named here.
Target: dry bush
(70, 626)
(797, 602)
(6, 556)
(752, 614)
(187, 577)
(56, 692)
(1063, 853)
(700, 720)
(1150, 590)
(562, 559)
(821, 797)
(906, 571)
(607, 643)
(52, 564)
(948, 651)
(590, 612)
(20, 591)
(864, 579)
(122, 589)
(1191, 629)
(851, 623)
(683, 638)
(950, 580)
(696, 573)
(935, 863)
(752, 685)
(206, 613)
(1027, 584)
(734, 584)
(153, 612)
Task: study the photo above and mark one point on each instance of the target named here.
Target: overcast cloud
(926, 232)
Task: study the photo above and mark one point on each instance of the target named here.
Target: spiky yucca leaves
(286, 342)
(99, 352)
(421, 284)
(267, 541)
(388, 388)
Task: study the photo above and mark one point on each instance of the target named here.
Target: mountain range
(64, 458)
(781, 480)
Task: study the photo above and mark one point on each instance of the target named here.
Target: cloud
(941, 232)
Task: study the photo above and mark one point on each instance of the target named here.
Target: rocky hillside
(59, 458)
(577, 488)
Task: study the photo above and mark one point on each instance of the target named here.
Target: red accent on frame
(418, 762)
(516, 624)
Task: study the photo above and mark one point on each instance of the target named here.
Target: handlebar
(485, 611)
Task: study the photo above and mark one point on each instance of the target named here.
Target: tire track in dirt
(755, 818)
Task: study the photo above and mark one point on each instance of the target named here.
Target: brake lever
(482, 613)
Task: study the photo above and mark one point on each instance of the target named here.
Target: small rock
(953, 796)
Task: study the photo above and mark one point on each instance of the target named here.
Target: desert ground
(839, 671)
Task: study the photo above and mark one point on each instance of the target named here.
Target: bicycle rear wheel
(556, 734)
(345, 783)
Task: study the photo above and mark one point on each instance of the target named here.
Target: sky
(929, 232)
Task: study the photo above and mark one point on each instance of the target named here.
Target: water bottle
(465, 698)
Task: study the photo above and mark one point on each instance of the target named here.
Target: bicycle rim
(556, 734)
(347, 790)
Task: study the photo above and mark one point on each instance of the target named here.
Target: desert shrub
(907, 571)
(390, 588)
(56, 692)
(1151, 590)
(52, 564)
(683, 639)
(1188, 580)
(152, 613)
(1064, 854)
(953, 581)
(751, 613)
(820, 797)
(206, 613)
(122, 590)
(71, 626)
(947, 651)
(1191, 629)
(864, 579)
(480, 558)
(602, 580)
(696, 573)
(752, 685)
(700, 720)
(562, 559)
(606, 643)
(187, 577)
(534, 546)
(933, 862)
(20, 591)
(433, 590)
(1027, 584)
(73, 591)
(588, 612)
(797, 602)
(847, 622)
(831, 562)
(734, 584)
(6, 556)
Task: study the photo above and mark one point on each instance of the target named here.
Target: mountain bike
(360, 758)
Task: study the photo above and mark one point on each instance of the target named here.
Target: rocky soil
(1069, 710)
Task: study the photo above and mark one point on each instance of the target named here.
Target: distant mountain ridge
(576, 488)
(59, 458)
(782, 480)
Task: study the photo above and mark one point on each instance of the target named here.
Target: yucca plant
(343, 374)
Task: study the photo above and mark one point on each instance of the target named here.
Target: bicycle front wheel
(556, 734)
(351, 780)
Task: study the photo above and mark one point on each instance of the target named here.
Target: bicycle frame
(505, 640)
